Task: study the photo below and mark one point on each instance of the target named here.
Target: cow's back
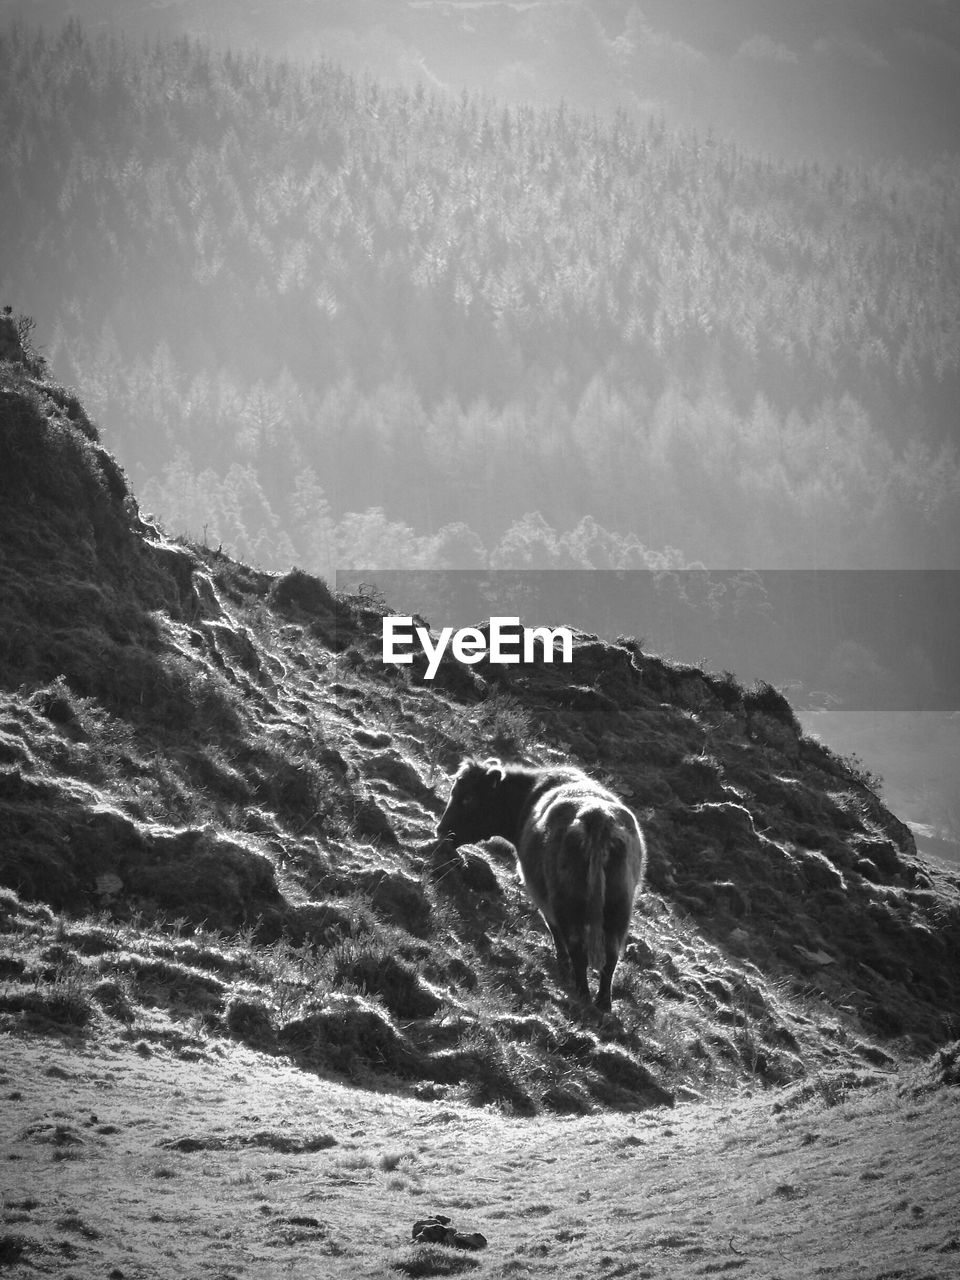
(565, 800)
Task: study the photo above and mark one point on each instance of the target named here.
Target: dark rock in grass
(470, 1240)
(438, 1230)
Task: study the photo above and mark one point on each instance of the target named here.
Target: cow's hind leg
(611, 958)
(617, 910)
(571, 959)
(568, 893)
(563, 955)
(578, 967)
(569, 934)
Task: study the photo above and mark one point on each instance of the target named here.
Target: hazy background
(832, 80)
(529, 285)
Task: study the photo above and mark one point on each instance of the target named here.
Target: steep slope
(217, 806)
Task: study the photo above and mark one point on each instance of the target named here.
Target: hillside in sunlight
(217, 808)
(333, 321)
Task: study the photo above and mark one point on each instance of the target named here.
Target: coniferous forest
(326, 321)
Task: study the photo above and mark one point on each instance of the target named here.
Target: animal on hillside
(580, 849)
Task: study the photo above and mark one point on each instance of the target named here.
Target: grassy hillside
(384, 323)
(133, 1160)
(217, 806)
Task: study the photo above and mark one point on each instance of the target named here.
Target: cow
(580, 849)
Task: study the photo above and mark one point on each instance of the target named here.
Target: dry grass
(143, 1164)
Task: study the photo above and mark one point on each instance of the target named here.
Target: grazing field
(123, 1161)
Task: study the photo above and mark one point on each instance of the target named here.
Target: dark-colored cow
(581, 853)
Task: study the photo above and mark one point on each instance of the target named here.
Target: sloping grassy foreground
(216, 816)
(127, 1161)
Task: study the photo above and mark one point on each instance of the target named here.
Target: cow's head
(473, 810)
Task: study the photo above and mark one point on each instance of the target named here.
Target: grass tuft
(434, 1260)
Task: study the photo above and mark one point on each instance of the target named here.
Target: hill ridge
(217, 808)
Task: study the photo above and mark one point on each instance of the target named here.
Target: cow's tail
(599, 831)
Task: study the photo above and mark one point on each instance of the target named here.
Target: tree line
(314, 313)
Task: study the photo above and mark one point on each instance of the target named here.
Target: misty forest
(329, 322)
